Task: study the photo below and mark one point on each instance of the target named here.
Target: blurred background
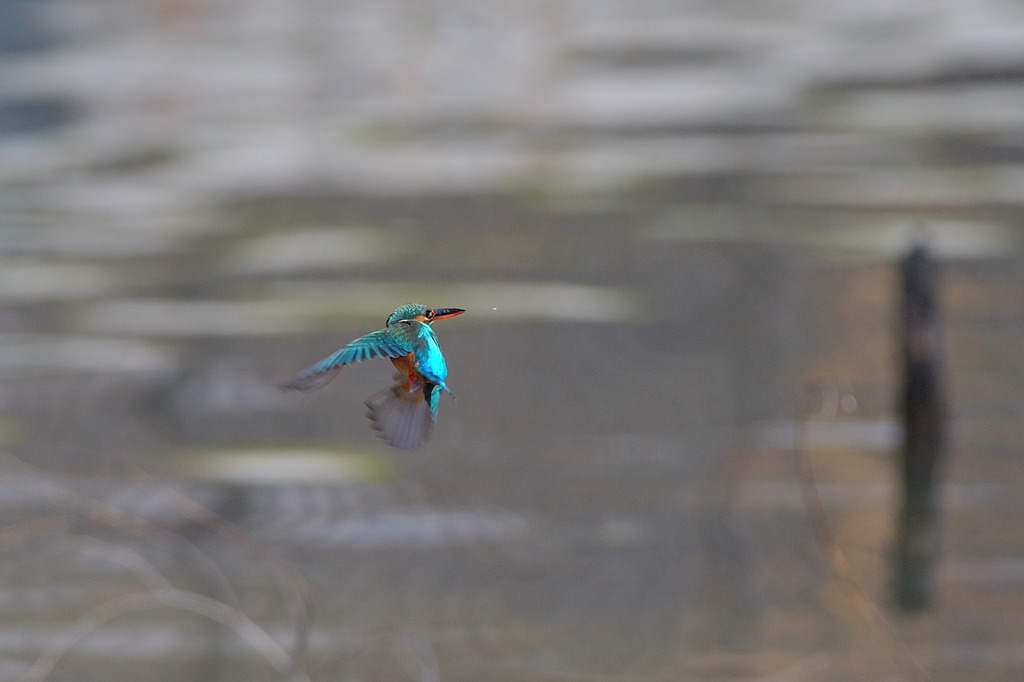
(675, 227)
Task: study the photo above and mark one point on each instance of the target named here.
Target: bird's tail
(403, 418)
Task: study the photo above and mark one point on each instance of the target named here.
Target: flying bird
(405, 413)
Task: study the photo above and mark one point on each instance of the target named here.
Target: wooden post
(924, 422)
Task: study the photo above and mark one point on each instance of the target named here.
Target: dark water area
(675, 229)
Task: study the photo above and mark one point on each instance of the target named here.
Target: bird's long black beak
(440, 313)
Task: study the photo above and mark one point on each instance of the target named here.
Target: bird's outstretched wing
(378, 344)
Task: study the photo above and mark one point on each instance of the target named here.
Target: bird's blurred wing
(308, 380)
(378, 344)
(403, 419)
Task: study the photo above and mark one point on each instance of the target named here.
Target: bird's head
(421, 313)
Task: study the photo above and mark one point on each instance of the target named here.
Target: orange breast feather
(411, 379)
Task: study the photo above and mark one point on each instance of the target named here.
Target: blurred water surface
(673, 225)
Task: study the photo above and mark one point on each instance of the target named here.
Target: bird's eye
(429, 314)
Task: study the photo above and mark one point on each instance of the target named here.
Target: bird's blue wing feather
(379, 344)
(431, 392)
(429, 359)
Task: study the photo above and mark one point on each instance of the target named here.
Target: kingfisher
(405, 413)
